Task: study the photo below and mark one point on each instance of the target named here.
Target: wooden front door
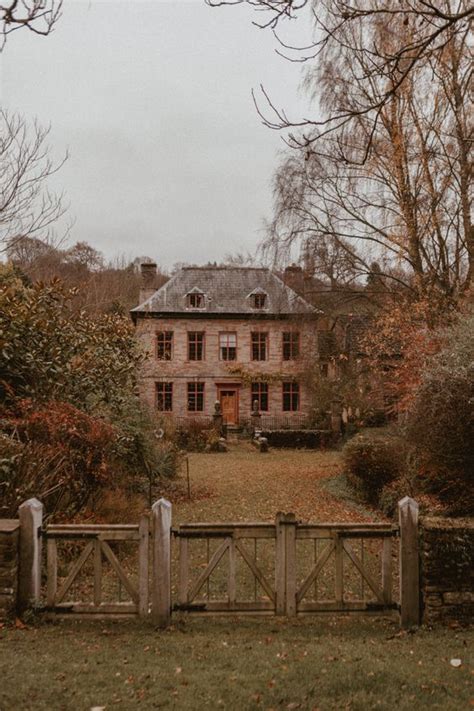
(230, 405)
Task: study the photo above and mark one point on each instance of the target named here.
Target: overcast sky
(168, 157)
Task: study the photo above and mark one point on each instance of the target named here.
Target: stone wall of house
(9, 533)
(447, 570)
(214, 372)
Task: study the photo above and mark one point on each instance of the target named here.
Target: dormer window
(195, 299)
(258, 299)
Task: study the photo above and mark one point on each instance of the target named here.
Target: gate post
(161, 585)
(30, 514)
(409, 563)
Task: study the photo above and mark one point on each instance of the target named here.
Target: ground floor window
(164, 397)
(259, 392)
(291, 397)
(195, 397)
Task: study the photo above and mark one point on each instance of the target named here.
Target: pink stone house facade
(228, 334)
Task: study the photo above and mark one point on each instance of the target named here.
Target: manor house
(236, 335)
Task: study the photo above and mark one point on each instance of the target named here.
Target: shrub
(440, 424)
(305, 439)
(372, 459)
(55, 452)
(192, 435)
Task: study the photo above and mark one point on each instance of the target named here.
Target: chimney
(148, 281)
(294, 278)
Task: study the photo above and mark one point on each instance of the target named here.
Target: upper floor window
(258, 299)
(164, 345)
(195, 397)
(195, 345)
(291, 345)
(291, 397)
(259, 393)
(228, 346)
(259, 345)
(164, 397)
(195, 299)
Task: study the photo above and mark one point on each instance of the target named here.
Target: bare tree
(406, 201)
(419, 30)
(38, 16)
(27, 207)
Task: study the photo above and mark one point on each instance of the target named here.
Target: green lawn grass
(311, 663)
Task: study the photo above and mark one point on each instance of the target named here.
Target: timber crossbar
(97, 548)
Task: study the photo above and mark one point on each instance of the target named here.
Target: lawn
(245, 485)
(312, 663)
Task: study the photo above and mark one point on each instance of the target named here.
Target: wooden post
(290, 555)
(143, 532)
(409, 563)
(161, 590)
(30, 514)
(52, 571)
(280, 564)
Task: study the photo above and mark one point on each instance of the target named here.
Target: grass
(311, 663)
(244, 485)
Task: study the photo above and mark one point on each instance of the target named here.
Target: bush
(440, 423)
(304, 439)
(70, 415)
(192, 436)
(372, 459)
(56, 453)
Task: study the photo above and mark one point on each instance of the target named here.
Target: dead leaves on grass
(244, 486)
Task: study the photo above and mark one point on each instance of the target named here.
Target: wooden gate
(305, 567)
(284, 568)
(85, 549)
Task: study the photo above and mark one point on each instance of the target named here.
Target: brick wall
(9, 532)
(213, 371)
(447, 567)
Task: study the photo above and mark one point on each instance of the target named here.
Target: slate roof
(226, 291)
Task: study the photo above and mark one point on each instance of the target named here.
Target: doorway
(229, 400)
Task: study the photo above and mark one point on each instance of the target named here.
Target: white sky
(168, 157)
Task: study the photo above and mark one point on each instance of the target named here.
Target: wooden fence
(282, 568)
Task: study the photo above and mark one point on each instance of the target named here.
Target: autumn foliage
(70, 418)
